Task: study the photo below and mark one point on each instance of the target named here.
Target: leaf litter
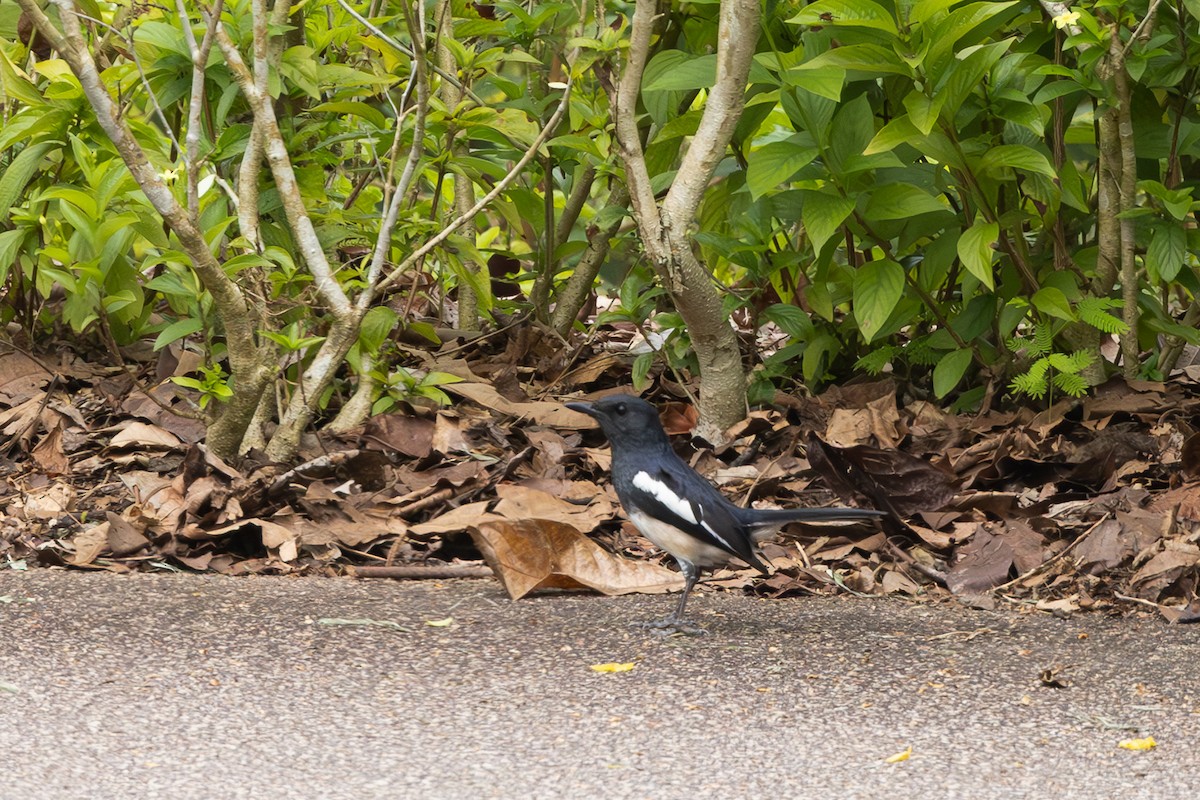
(1085, 504)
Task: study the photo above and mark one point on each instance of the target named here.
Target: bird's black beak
(584, 408)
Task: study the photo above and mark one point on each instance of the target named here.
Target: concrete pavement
(188, 686)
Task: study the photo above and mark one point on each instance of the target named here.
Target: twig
(935, 575)
(1140, 601)
(484, 201)
(420, 571)
(390, 42)
(327, 461)
(440, 496)
(1057, 556)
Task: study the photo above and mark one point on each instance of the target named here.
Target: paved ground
(203, 687)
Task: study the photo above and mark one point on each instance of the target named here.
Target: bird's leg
(675, 623)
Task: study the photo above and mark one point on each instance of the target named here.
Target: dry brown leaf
(21, 418)
(521, 502)
(123, 538)
(159, 497)
(47, 502)
(49, 455)
(982, 563)
(142, 434)
(448, 436)
(21, 378)
(1161, 571)
(412, 436)
(542, 554)
(554, 415)
(457, 519)
(89, 545)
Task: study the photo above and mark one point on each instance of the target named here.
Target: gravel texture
(186, 686)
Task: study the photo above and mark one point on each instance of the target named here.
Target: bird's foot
(670, 626)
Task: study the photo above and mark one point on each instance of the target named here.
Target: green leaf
(641, 370)
(824, 82)
(900, 201)
(975, 250)
(899, 131)
(775, 163)
(16, 84)
(950, 370)
(10, 245)
(923, 110)
(440, 379)
(1052, 302)
(20, 170)
(377, 324)
(815, 356)
(1016, 156)
(869, 58)
(791, 319)
(1166, 252)
(1094, 311)
(854, 13)
(356, 109)
(823, 214)
(177, 330)
(878, 287)
(672, 70)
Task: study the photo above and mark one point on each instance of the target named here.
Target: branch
(285, 180)
(395, 45)
(624, 111)
(199, 54)
(483, 202)
(737, 35)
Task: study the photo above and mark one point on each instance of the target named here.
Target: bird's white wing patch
(679, 505)
(665, 495)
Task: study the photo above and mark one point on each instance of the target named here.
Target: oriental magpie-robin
(677, 509)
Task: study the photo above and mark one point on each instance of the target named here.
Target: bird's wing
(673, 494)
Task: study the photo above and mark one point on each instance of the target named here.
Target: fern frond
(1094, 311)
(1043, 340)
(874, 361)
(1071, 384)
(1033, 382)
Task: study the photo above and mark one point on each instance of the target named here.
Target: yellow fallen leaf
(612, 666)
(903, 755)
(440, 623)
(1139, 744)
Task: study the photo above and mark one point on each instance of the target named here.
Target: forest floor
(202, 686)
(1086, 504)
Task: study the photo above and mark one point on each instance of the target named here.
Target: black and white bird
(677, 509)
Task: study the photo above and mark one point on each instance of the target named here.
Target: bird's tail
(773, 517)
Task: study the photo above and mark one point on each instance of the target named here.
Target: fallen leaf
(440, 623)
(896, 758)
(457, 519)
(48, 453)
(982, 563)
(123, 538)
(519, 502)
(1138, 744)
(142, 434)
(89, 545)
(613, 666)
(542, 554)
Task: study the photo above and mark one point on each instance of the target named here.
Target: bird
(674, 507)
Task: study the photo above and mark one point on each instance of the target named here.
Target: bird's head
(625, 420)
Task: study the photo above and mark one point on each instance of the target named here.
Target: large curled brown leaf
(535, 554)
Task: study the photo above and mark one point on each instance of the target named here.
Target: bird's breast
(677, 543)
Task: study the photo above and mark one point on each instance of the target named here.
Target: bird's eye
(620, 409)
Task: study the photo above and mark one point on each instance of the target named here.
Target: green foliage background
(913, 186)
